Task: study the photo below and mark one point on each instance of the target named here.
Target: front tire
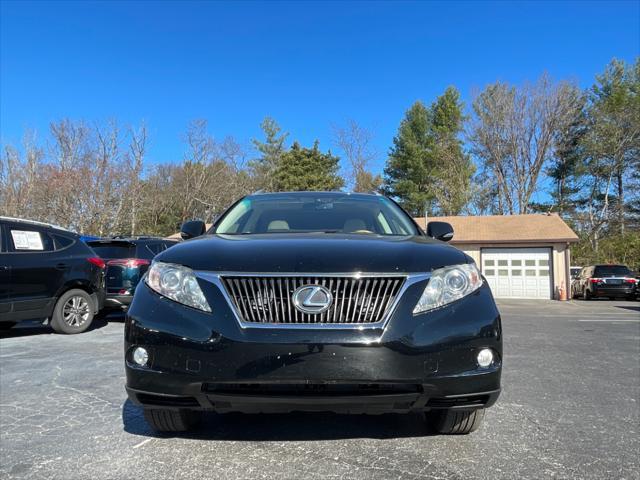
(171, 420)
(455, 422)
(73, 312)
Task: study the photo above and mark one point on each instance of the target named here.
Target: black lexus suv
(127, 260)
(48, 272)
(314, 301)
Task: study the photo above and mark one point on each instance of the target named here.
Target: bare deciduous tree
(513, 132)
(137, 150)
(211, 176)
(355, 141)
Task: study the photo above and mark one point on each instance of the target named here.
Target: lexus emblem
(312, 299)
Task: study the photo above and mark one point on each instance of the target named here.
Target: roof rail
(35, 222)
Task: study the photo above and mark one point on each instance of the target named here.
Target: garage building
(521, 256)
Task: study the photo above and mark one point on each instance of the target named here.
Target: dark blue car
(127, 260)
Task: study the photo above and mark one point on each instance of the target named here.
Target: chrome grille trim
(231, 284)
(266, 297)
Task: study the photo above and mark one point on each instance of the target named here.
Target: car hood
(313, 253)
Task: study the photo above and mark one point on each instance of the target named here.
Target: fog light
(485, 357)
(141, 356)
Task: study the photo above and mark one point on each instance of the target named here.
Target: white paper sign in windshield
(24, 240)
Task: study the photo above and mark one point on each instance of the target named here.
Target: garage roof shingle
(527, 228)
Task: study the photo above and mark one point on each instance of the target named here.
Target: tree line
(540, 147)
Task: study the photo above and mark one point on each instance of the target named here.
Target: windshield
(611, 271)
(316, 213)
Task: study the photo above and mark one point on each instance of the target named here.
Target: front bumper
(206, 361)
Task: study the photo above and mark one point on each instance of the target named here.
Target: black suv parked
(611, 281)
(127, 261)
(47, 272)
(314, 301)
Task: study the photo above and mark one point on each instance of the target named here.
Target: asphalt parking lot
(569, 409)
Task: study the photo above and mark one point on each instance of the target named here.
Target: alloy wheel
(75, 311)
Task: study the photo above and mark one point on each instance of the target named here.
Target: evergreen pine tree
(411, 164)
(271, 150)
(307, 169)
(427, 167)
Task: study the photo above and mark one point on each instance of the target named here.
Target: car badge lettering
(312, 299)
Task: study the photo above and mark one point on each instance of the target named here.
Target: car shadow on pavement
(112, 315)
(629, 307)
(27, 329)
(286, 427)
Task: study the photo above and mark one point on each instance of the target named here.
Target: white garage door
(518, 272)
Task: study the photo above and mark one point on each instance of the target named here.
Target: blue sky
(308, 65)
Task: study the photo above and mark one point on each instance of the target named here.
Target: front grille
(356, 300)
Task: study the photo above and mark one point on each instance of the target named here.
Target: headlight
(177, 283)
(447, 285)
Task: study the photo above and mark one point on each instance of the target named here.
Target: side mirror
(193, 228)
(440, 231)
